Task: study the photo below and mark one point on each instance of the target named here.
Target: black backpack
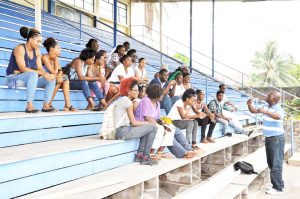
(245, 167)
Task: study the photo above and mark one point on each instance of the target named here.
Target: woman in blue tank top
(51, 64)
(25, 67)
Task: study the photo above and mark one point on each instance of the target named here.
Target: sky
(240, 29)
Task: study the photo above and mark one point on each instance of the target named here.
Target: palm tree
(272, 68)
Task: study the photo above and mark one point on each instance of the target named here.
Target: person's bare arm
(53, 69)
(172, 93)
(166, 90)
(78, 68)
(132, 120)
(150, 119)
(275, 116)
(185, 116)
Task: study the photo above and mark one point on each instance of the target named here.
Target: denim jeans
(174, 99)
(275, 156)
(166, 103)
(235, 124)
(191, 127)
(180, 145)
(146, 133)
(203, 123)
(32, 81)
(86, 87)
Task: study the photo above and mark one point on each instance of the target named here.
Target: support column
(160, 32)
(38, 17)
(151, 188)
(191, 35)
(178, 180)
(213, 40)
(115, 23)
(213, 163)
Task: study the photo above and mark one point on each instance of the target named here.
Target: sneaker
(228, 134)
(148, 161)
(138, 157)
(273, 192)
(210, 140)
(204, 141)
(268, 188)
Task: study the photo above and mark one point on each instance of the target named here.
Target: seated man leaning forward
(216, 106)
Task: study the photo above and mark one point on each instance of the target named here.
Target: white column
(38, 17)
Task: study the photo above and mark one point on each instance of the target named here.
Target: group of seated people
(121, 79)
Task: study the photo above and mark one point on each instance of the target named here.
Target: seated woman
(114, 59)
(128, 128)
(186, 81)
(177, 89)
(140, 71)
(25, 67)
(123, 70)
(79, 79)
(51, 64)
(93, 44)
(149, 110)
(182, 119)
(97, 69)
(207, 119)
(142, 93)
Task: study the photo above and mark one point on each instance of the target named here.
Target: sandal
(154, 157)
(189, 154)
(71, 108)
(165, 155)
(195, 147)
(51, 109)
(32, 111)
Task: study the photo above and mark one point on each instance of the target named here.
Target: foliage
(271, 68)
(295, 71)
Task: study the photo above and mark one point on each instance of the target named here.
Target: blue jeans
(32, 81)
(191, 127)
(275, 156)
(86, 87)
(180, 145)
(166, 103)
(146, 133)
(237, 127)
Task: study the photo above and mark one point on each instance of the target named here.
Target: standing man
(273, 131)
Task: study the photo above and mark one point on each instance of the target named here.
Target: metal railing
(233, 83)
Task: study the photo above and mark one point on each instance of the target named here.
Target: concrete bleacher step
(36, 166)
(171, 174)
(23, 128)
(230, 184)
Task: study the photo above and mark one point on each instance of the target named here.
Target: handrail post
(206, 88)
(80, 24)
(256, 106)
(292, 135)
(43, 11)
(242, 81)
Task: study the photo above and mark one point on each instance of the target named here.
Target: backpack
(245, 167)
(67, 69)
(108, 128)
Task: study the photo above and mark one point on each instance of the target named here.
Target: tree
(295, 72)
(182, 57)
(272, 68)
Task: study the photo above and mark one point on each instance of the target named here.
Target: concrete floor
(291, 176)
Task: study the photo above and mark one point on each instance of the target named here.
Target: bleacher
(47, 149)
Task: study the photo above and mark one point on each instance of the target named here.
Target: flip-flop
(52, 109)
(71, 108)
(32, 111)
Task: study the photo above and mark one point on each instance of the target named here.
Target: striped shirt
(272, 127)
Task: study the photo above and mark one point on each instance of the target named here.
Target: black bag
(245, 167)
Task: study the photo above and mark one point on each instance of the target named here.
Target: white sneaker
(273, 192)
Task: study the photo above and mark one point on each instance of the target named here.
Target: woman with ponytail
(25, 69)
(51, 65)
